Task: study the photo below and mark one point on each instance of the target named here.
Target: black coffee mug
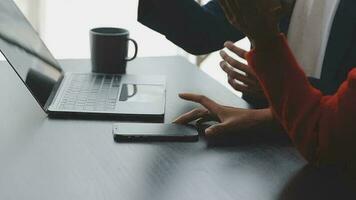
(109, 49)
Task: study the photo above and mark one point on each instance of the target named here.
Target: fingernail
(208, 131)
(224, 65)
(228, 43)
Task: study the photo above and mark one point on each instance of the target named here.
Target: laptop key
(91, 93)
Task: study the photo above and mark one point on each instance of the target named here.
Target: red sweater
(323, 128)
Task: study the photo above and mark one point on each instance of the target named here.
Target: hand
(258, 19)
(231, 120)
(250, 84)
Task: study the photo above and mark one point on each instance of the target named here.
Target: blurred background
(64, 26)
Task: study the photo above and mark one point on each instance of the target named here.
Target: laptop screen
(27, 54)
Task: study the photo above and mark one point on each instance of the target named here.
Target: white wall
(67, 23)
(64, 26)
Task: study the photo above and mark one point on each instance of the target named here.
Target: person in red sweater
(323, 128)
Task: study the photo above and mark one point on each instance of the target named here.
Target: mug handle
(134, 92)
(125, 91)
(136, 49)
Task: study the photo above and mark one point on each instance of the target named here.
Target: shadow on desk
(245, 138)
(310, 183)
(315, 183)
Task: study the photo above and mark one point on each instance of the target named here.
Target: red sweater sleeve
(323, 128)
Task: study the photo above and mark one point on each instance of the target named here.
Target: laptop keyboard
(91, 92)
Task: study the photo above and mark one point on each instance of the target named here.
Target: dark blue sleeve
(197, 29)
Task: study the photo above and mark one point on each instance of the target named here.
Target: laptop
(65, 94)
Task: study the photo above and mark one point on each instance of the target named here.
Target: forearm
(294, 102)
(197, 29)
(321, 127)
(337, 124)
(266, 121)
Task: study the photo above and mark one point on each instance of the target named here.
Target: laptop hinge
(53, 94)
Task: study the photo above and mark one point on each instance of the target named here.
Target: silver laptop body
(65, 94)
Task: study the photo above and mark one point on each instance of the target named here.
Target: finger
(238, 51)
(207, 119)
(191, 116)
(237, 86)
(236, 64)
(209, 104)
(250, 82)
(236, 75)
(216, 129)
(254, 91)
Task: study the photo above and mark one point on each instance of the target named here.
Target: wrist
(267, 121)
(266, 42)
(265, 115)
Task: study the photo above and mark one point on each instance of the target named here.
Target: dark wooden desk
(43, 158)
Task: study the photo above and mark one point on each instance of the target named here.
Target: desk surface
(42, 158)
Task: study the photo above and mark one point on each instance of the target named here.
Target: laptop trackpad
(141, 93)
(141, 98)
